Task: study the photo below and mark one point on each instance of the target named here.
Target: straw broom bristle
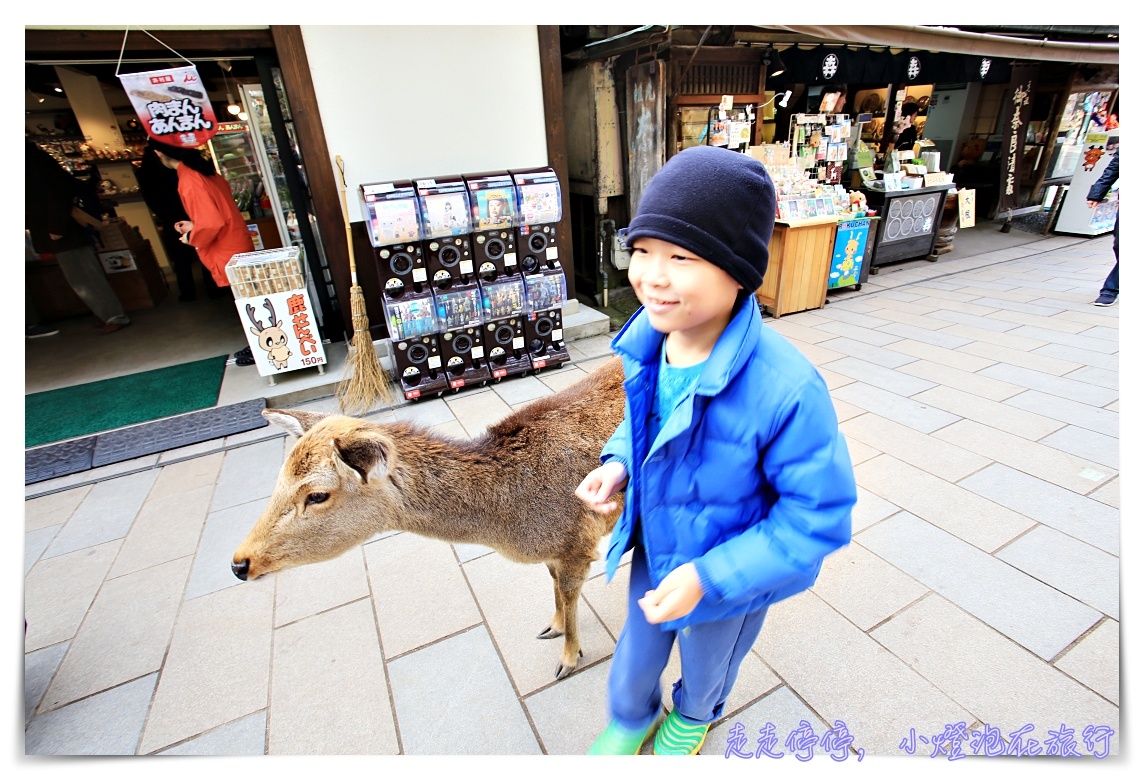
(364, 382)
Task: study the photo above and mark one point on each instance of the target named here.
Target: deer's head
(334, 485)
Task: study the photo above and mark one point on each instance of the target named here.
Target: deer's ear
(367, 455)
(296, 422)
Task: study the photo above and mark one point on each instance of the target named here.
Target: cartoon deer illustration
(511, 489)
(272, 338)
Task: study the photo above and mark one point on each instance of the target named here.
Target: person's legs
(1111, 289)
(83, 272)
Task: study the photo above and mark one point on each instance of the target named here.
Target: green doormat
(113, 403)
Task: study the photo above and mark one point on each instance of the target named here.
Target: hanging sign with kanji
(172, 105)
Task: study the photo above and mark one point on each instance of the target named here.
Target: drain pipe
(604, 223)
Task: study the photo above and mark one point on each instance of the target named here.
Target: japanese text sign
(173, 105)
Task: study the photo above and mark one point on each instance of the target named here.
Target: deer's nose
(241, 568)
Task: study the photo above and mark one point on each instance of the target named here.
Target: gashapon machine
(460, 317)
(413, 329)
(394, 227)
(505, 314)
(538, 214)
(492, 198)
(545, 293)
(445, 228)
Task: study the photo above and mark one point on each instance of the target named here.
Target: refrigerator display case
(236, 158)
(276, 202)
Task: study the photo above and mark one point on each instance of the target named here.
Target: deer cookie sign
(281, 331)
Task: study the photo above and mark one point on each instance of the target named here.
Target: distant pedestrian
(1111, 289)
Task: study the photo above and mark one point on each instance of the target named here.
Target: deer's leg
(555, 627)
(570, 580)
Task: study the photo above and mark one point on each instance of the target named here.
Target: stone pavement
(981, 591)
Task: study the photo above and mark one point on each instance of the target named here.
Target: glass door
(276, 201)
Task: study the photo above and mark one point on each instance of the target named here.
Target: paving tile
(814, 353)
(1095, 661)
(517, 603)
(854, 340)
(1108, 493)
(917, 306)
(569, 715)
(217, 667)
(1082, 571)
(167, 528)
(834, 380)
(223, 532)
(599, 345)
(35, 542)
(845, 411)
(442, 695)
(419, 592)
(962, 513)
(316, 587)
(943, 291)
(878, 355)
(1040, 319)
(1078, 516)
(91, 476)
(971, 307)
(962, 380)
(852, 318)
(1080, 414)
(887, 379)
(247, 473)
(53, 509)
(1102, 318)
(863, 587)
(797, 332)
(992, 413)
(1015, 306)
(1104, 377)
(190, 451)
(860, 452)
(187, 475)
(1032, 614)
(1001, 684)
(431, 411)
(108, 724)
(1086, 444)
(520, 389)
(249, 437)
(939, 458)
(609, 600)
(997, 337)
(244, 737)
(1107, 346)
(39, 668)
(755, 679)
(1048, 463)
(894, 407)
(1012, 357)
(808, 318)
(937, 354)
(594, 363)
(870, 509)
(124, 635)
(468, 552)
(841, 673)
(452, 430)
(976, 321)
(328, 687)
(780, 712)
(478, 411)
(59, 590)
(897, 295)
(104, 515)
(1001, 290)
(562, 378)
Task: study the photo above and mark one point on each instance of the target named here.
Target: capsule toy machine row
(505, 311)
(460, 317)
(493, 201)
(545, 293)
(393, 222)
(539, 211)
(446, 221)
(414, 331)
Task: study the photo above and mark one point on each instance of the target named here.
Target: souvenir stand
(273, 303)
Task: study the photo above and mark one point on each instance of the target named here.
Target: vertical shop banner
(1015, 119)
(173, 105)
(280, 332)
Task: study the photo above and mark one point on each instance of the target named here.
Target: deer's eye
(317, 498)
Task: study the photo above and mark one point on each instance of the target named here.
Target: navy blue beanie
(716, 203)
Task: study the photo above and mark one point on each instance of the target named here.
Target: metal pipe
(604, 223)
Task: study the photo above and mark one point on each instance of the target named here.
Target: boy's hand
(600, 485)
(675, 597)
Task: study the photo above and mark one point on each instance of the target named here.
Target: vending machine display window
(540, 211)
(445, 226)
(391, 213)
(492, 197)
(458, 308)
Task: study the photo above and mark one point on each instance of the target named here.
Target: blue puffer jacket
(749, 478)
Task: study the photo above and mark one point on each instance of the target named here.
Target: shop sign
(172, 105)
(1018, 103)
(829, 66)
(280, 332)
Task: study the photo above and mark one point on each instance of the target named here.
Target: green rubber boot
(678, 738)
(619, 741)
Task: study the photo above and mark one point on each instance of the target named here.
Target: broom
(364, 382)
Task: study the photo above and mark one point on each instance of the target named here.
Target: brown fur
(511, 489)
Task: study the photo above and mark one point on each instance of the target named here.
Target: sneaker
(1105, 299)
(617, 740)
(39, 331)
(112, 327)
(676, 737)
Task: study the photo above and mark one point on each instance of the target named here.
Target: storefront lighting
(233, 108)
(243, 115)
(773, 62)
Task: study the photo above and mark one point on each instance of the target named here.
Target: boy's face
(681, 291)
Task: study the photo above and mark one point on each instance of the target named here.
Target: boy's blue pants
(710, 654)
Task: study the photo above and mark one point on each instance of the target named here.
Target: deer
(510, 489)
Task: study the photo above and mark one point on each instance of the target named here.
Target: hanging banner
(1015, 119)
(173, 105)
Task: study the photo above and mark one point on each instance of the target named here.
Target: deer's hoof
(549, 633)
(563, 671)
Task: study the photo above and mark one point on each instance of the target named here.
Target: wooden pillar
(552, 85)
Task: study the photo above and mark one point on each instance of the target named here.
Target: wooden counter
(799, 265)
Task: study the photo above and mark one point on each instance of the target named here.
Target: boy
(738, 481)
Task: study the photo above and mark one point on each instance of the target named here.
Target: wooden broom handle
(346, 219)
